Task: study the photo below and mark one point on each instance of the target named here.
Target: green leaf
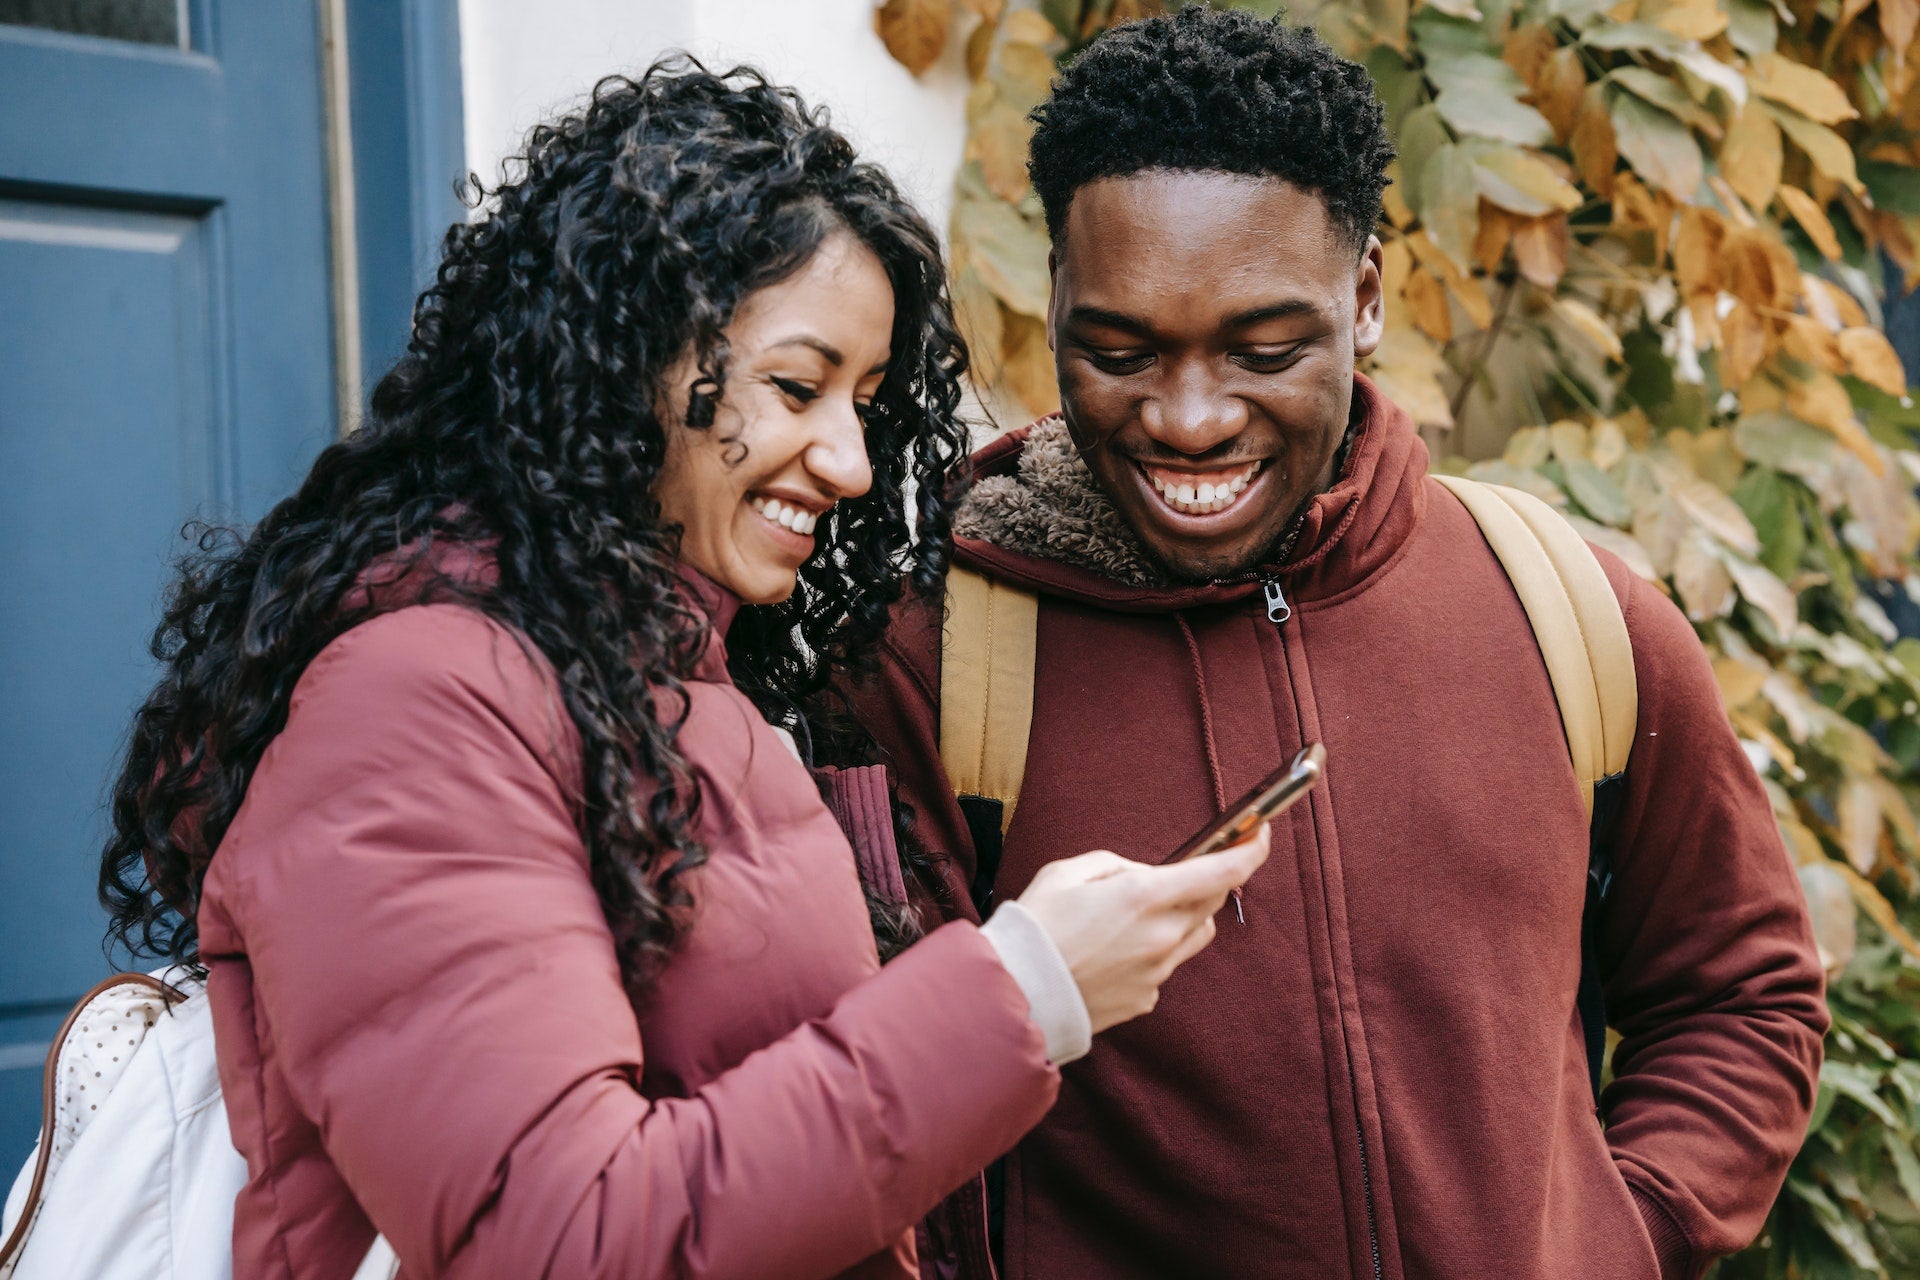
(1906, 1165)
(1491, 113)
(1476, 70)
(1842, 1229)
(1658, 146)
(1436, 34)
(1654, 88)
(1767, 498)
(1752, 27)
(1895, 187)
(1786, 443)
(1422, 134)
(1597, 493)
(1064, 15)
(1449, 202)
(1397, 83)
(1632, 35)
(1009, 252)
(1859, 1084)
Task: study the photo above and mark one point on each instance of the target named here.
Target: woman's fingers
(1209, 879)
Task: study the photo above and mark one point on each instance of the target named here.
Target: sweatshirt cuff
(1669, 1241)
(1036, 965)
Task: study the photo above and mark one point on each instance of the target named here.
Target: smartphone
(1272, 797)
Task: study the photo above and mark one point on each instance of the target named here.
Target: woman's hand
(1123, 927)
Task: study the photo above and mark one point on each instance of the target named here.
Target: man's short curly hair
(1221, 91)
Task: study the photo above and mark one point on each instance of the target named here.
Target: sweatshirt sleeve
(1709, 964)
(436, 976)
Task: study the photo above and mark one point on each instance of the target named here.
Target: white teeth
(1206, 497)
(797, 519)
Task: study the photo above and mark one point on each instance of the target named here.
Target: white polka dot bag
(135, 1173)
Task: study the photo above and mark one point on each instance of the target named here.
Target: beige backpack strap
(986, 687)
(1576, 621)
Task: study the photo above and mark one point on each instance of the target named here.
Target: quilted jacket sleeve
(437, 977)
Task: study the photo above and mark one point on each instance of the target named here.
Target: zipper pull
(1278, 610)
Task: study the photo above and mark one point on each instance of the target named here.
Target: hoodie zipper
(1278, 613)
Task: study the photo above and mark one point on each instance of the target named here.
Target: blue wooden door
(165, 352)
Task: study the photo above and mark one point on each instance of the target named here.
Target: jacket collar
(719, 607)
(1347, 534)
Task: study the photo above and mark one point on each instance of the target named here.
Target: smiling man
(1378, 1069)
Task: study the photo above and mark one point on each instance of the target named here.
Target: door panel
(165, 353)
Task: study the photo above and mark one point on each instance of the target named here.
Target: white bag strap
(986, 687)
(1576, 621)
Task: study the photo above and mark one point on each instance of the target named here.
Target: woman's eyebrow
(825, 348)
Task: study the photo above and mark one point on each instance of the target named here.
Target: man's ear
(1370, 300)
(1053, 293)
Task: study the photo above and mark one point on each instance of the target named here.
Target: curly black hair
(1209, 90)
(529, 417)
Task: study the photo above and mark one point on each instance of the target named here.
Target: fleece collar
(1037, 519)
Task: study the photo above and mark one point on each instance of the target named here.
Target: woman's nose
(838, 455)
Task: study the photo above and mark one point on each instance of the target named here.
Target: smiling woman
(530, 940)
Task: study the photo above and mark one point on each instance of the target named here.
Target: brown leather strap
(44, 1156)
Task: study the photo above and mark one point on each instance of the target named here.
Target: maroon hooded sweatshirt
(1380, 1074)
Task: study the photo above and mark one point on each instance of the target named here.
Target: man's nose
(837, 457)
(1192, 412)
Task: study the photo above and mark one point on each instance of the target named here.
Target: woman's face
(806, 358)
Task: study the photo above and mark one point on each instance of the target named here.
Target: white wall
(522, 59)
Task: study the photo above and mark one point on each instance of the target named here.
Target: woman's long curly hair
(530, 414)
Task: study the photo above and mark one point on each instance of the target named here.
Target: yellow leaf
(1588, 324)
(1872, 359)
(1807, 340)
(1009, 252)
(1426, 301)
(1758, 269)
(1467, 290)
(1407, 369)
(1027, 26)
(1898, 18)
(1393, 200)
(1828, 150)
(1514, 180)
(1688, 19)
(1750, 156)
(981, 324)
(1822, 401)
(1540, 248)
(1696, 249)
(1812, 219)
(1396, 261)
(1701, 578)
(1859, 813)
(1762, 589)
(1029, 371)
(1557, 92)
(1739, 681)
(1490, 245)
(915, 31)
(1743, 343)
(1718, 514)
(1879, 910)
(979, 51)
(1595, 149)
(1794, 84)
(1026, 75)
(998, 142)
(990, 10)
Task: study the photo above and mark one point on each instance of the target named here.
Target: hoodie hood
(1037, 519)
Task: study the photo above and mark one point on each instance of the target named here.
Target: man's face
(1204, 326)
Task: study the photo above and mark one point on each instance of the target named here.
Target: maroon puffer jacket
(422, 1029)
(1380, 1075)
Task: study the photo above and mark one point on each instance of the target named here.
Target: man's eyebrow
(1276, 311)
(1107, 320)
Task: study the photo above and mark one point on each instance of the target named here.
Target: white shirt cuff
(1053, 997)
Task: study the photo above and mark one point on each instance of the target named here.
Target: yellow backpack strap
(1576, 621)
(986, 687)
